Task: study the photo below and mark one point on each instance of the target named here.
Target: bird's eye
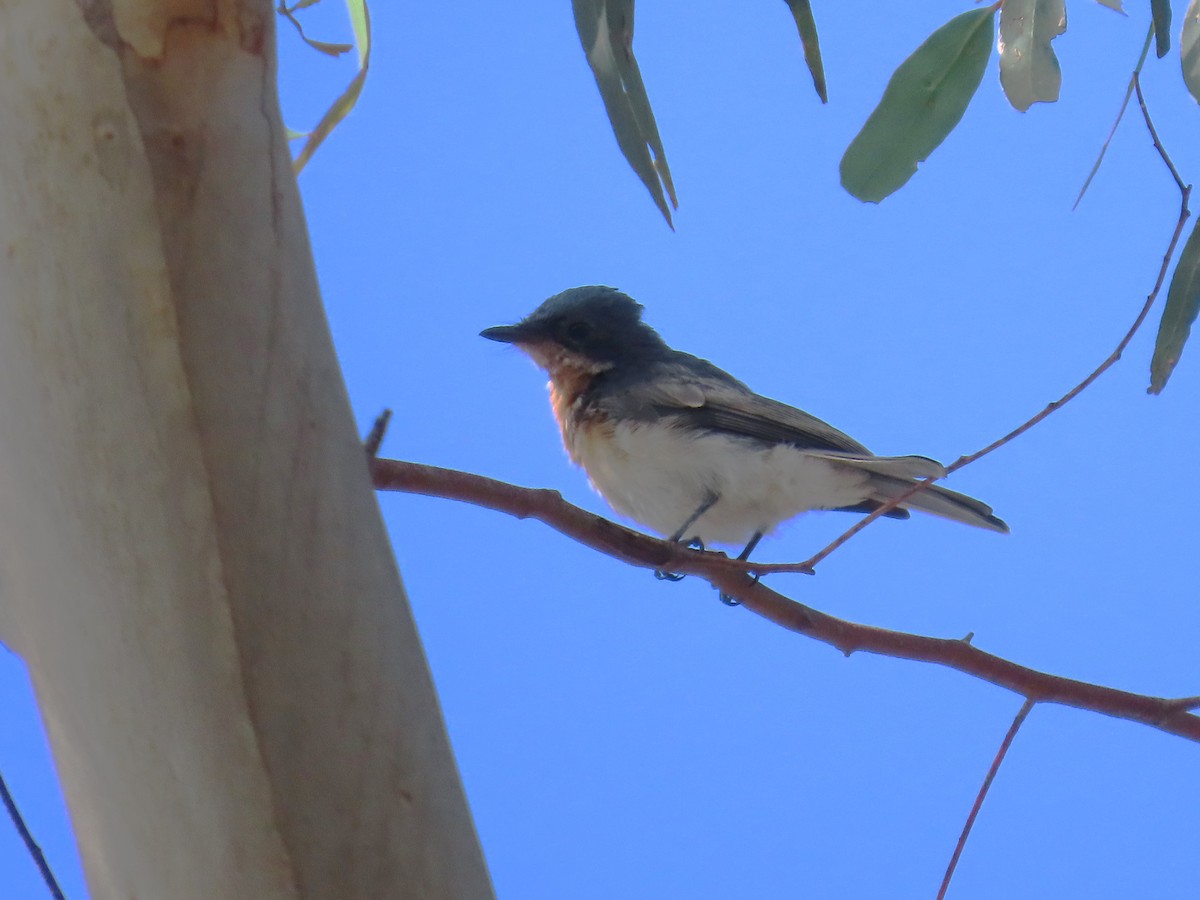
(579, 331)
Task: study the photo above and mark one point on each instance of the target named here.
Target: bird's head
(591, 329)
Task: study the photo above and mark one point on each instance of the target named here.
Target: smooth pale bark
(192, 562)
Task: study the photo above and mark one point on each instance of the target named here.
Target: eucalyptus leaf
(1112, 4)
(1189, 49)
(1160, 13)
(807, 26)
(1029, 71)
(922, 103)
(1120, 115)
(1183, 302)
(329, 49)
(360, 21)
(605, 30)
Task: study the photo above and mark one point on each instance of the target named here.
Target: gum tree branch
(730, 576)
(1185, 193)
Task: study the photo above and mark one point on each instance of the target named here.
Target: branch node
(1182, 704)
(374, 438)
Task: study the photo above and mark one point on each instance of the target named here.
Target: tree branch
(983, 789)
(31, 845)
(730, 576)
(1185, 193)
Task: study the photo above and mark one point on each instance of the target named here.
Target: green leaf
(1029, 70)
(1112, 4)
(1183, 302)
(329, 49)
(288, 12)
(925, 99)
(1189, 49)
(360, 21)
(1160, 12)
(807, 26)
(606, 32)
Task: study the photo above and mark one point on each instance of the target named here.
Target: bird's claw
(693, 544)
(734, 601)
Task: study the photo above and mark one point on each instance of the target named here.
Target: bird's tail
(939, 501)
(892, 476)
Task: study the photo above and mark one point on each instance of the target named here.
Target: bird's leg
(744, 555)
(709, 499)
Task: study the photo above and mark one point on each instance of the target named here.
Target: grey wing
(769, 420)
(755, 416)
(694, 392)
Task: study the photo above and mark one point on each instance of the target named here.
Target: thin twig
(1120, 115)
(729, 576)
(987, 783)
(1185, 194)
(1158, 145)
(881, 510)
(31, 845)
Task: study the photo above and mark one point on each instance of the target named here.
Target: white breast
(659, 476)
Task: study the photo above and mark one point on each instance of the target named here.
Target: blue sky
(622, 737)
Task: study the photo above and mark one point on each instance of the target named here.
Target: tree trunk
(192, 562)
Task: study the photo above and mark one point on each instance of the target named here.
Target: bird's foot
(693, 544)
(742, 557)
(734, 601)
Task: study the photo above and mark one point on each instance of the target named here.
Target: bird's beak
(507, 334)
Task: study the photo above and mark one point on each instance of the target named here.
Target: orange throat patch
(570, 374)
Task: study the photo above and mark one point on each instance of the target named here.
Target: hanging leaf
(1183, 302)
(360, 21)
(1160, 12)
(1112, 4)
(606, 31)
(289, 13)
(1189, 49)
(1137, 70)
(807, 26)
(1029, 70)
(924, 100)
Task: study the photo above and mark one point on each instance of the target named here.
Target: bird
(685, 449)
